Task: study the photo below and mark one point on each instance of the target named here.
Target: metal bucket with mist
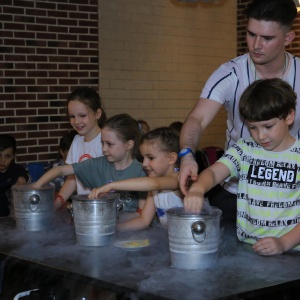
(33, 208)
(95, 219)
(194, 238)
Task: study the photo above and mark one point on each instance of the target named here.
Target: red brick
(12, 9)
(14, 26)
(37, 149)
(14, 42)
(25, 96)
(36, 12)
(67, 7)
(50, 126)
(46, 36)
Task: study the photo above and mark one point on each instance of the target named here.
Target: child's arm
(64, 170)
(143, 184)
(143, 221)
(21, 181)
(207, 179)
(273, 246)
(66, 191)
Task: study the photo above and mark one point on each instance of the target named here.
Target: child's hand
(34, 186)
(269, 246)
(101, 190)
(193, 202)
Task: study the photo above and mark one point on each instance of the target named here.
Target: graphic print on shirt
(272, 174)
(85, 157)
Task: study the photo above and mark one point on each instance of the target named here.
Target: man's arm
(199, 118)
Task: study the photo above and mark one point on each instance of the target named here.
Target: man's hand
(188, 172)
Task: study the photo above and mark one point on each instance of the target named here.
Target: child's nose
(145, 162)
(261, 135)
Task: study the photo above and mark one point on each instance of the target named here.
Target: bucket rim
(103, 197)
(180, 212)
(28, 188)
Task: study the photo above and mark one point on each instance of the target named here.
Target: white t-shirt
(80, 151)
(163, 201)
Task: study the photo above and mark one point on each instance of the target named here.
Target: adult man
(268, 33)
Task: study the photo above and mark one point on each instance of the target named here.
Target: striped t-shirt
(268, 197)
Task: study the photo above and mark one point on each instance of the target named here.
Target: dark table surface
(147, 273)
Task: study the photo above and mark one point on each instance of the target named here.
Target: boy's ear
(173, 156)
(290, 117)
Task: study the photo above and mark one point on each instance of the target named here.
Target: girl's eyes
(108, 144)
(80, 116)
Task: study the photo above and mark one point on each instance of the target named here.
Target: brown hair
(91, 99)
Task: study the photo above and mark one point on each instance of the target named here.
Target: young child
(10, 172)
(176, 126)
(86, 117)
(267, 164)
(159, 148)
(144, 126)
(120, 137)
(64, 147)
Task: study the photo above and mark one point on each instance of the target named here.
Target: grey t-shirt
(96, 172)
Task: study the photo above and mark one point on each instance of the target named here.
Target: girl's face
(83, 119)
(114, 149)
(156, 162)
(272, 135)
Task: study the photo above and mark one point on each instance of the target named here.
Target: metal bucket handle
(34, 202)
(198, 229)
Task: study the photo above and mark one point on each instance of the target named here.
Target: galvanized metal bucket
(95, 219)
(193, 238)
(33, 208)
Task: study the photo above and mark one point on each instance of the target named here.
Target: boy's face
(6, 158)
(273, 135)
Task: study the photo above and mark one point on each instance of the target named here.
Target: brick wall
(47, 49)
(156, 55)
(154, 59)
(294, 48)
